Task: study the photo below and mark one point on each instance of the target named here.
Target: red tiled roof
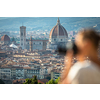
(19, 54)
(2, 52)
(40, 82)
(58, 28)
(18, 81)
(5, 38)
(44, 80)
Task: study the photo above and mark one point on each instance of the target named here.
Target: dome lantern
(58, 21)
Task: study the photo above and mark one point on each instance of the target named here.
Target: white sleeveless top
(84, 73)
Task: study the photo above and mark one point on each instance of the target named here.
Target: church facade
(36, 44)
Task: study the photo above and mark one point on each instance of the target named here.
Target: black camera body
(62, 48)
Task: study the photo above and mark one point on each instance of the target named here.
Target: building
(5, 73)
(23, 37)
(3, 54)
(55, 75)
(58, 35)
(13, 46)
(31, 72)
(43, 81)
(43, 71)
(19, 55)
(19, 81)
(19, 73)
(13, 73)
(31, 44)
(5, 40)
(36, 44)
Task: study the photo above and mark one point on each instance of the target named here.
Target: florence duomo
(58, 34)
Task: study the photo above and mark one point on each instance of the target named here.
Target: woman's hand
(68, 63)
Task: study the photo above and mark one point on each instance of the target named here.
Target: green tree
(53, 81)
(57, 80)
(50, 82)
(28, 81)
(32, 80)
(35, 81)
(1, 82)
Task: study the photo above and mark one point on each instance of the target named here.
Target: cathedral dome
(58, 30)
(5, 38)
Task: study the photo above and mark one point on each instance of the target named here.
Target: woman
(83, 72)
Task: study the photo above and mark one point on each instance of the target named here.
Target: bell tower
(23, 37)
(31, 44)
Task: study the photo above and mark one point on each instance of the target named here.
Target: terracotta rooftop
(2, 52)
(58, 30)
(19, 54)
(5, 38)
(43, 80)
(19, 81)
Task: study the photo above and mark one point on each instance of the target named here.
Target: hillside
(46, 23)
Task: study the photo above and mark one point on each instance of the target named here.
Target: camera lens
(63, 48)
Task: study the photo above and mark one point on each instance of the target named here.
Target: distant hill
(47, 23)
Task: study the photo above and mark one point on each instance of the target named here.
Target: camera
(62, 48)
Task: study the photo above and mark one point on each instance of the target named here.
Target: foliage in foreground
(31, 81)
(35, 81)
(53, 81)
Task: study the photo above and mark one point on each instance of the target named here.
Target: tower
(31, 44)
(23, 37)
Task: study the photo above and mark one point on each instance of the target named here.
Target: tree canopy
(53, 81)
(32, 80)
(35, 81)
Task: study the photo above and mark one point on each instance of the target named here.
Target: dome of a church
(5, 38)
(58, 30)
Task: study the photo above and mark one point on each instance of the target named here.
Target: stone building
(36, 44)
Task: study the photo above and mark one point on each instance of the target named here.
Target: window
(61, 39)
(54, 39)
(40, 43)
(21, 34)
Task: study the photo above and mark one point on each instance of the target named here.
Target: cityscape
(29, 51)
